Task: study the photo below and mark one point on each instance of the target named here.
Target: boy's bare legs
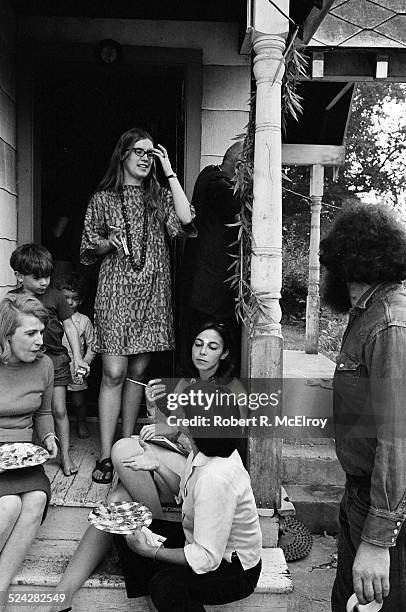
(62, 429)
(133, 393)
(78, 399)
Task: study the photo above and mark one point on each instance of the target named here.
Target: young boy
(32, 265)
(71, 286)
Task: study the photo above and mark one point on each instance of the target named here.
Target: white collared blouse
(219, 514)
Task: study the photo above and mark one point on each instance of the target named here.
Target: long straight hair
(114, 178)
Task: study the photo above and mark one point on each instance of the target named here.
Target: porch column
(313, 297)
(266, 345)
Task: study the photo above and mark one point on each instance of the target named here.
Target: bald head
(231, 157)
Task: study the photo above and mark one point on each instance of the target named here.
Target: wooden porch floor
(78, 490)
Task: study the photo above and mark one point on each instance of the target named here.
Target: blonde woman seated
(210, 361)
(26, 384)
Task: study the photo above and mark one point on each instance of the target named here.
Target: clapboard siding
(8, 188)
(7, 168)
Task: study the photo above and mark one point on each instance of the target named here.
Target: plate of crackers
(120, 517)
(16, 455)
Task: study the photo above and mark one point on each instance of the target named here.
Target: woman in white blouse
(213, 556)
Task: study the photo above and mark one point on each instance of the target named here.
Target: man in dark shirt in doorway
(205, 294)
(364, 254)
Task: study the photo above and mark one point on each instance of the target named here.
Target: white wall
(8, 185)
(226, 73)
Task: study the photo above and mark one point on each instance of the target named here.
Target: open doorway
(81, 111)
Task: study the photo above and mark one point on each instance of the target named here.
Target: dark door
(82, 110)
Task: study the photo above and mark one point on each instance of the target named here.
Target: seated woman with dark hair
(210, 363)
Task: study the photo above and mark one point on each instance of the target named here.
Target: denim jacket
(370, 407)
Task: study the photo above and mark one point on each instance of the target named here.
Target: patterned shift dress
(133, 310)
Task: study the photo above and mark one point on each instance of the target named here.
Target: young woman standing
(126, 224)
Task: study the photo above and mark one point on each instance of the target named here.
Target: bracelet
(173, 175)
(158, 548)
(51, 433)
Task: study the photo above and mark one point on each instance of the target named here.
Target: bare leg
(91, 551)
(132, 393)
(20, 538)
(10, 508)
(114, 372)
(79, 405)
(141, 485)
(62, 429)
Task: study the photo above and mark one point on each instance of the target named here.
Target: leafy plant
(332, 327)
(295, 269)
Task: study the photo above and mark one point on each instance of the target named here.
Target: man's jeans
(353, 510)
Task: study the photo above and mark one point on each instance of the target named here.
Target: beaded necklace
(135, 266)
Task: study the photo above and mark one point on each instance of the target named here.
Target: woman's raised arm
(180, 201)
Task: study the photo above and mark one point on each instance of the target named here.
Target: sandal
(104, 466)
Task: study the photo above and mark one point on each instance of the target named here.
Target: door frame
(33, 59)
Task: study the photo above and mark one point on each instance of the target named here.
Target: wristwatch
(173, 175)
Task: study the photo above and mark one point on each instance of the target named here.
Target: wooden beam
(338, 97)
(361, 65)
(317, 65)
(308, 155)
(314, 20)
(246, 45)
(382, 65)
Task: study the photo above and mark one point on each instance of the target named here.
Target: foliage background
(374, 170)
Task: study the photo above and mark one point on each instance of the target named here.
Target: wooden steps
(65, 524)
(105, 590)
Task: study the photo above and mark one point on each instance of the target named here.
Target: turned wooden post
(266, 342)
(313, 296)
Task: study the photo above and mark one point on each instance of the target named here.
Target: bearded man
(364, 256)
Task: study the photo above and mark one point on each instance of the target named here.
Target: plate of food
(120, 517)
(16, 455)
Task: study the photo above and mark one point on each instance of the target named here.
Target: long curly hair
(366, 244)
(114, 177)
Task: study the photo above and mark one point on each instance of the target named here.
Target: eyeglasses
(141, 152)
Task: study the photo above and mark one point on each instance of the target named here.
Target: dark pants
(353, 510)
(176, 588)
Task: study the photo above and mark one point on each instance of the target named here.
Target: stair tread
(314, 493)
(315, 451)
(47, 560)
